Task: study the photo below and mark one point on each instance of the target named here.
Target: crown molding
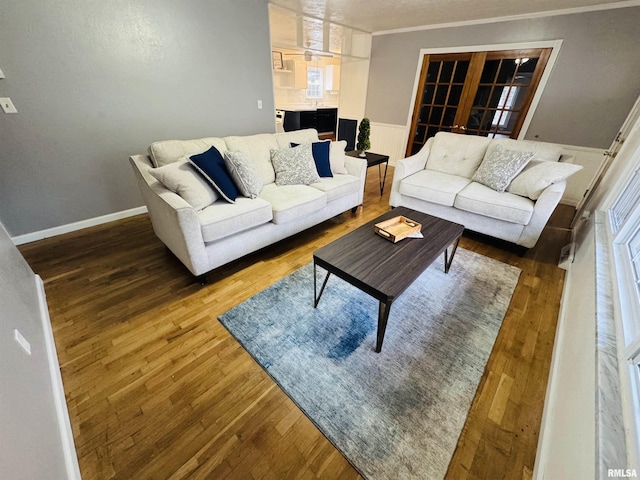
(510, 18)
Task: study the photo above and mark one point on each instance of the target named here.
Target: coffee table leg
(316, 299)
(447, 262)
(383, 316)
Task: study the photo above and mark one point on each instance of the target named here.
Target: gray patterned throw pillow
(500, 167)
(294, 166)
(243, 173)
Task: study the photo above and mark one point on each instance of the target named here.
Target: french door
(476, 93)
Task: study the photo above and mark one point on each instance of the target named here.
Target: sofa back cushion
(308, 135)
(457, 154)
(541, 151)
(169, 151)
(256, 148)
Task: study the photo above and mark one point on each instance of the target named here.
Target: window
(314, 82)
(624, 222)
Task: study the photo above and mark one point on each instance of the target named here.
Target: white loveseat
(206, 238)
(442, 180)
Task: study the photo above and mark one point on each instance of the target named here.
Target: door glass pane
(496, 95)
(461, 72)
(455, 94)
(446, 72)
(449, 117)
(482, 96)
(436, 116)
(441, 94)
(424, 114)
(427, 96)
(507, 69)
(432, 71)
(489, 71)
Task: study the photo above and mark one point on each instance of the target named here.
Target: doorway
(486, 93)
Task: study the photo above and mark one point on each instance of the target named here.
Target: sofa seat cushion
(256, 148)
(457, 154)
(480, 199)
(290, 202)
(222, 219)
(433, 186)
(338, 186)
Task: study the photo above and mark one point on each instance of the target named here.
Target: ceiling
(383, 15)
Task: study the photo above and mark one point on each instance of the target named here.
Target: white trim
(550, 398)
(510, 18)
(555, 49)
(72, 227)
(62, 413)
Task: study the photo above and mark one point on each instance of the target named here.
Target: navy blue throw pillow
(211, 166)
(320, 152)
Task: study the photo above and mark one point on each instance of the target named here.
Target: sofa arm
(174, 221)
(408, 166)
(358, 168)
(544, 207)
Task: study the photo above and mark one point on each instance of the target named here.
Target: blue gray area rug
(395, 414)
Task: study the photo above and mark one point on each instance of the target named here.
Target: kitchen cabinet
(332, 77)
(324, 120)
(299, 74)
(294, 75)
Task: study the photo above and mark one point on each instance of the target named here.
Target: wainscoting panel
(391, 140)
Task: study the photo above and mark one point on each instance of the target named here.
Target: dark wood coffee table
(384, 269)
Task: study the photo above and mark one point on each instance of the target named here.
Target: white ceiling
(385, 15)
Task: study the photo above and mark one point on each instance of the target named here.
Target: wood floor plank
(157, 388)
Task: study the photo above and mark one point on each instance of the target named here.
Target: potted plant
(363, 137)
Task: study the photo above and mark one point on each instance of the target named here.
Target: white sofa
(439, 180)
(204, 239)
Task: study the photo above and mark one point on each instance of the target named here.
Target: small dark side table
(374, 159)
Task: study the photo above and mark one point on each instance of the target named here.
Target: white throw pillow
(295, 166)
(244, 173)
(500, 166)
(337, 157)
(538, 175)
(181, 178)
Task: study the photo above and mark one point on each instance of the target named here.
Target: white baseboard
(72, 227)
(551, 396)
(62, 413)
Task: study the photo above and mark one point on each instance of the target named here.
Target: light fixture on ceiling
(309, 55)
(520, 61)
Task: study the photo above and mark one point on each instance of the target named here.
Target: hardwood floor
(157, 389)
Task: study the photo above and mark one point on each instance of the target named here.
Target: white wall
(354, 77)
(35, 436)
(567, 441)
